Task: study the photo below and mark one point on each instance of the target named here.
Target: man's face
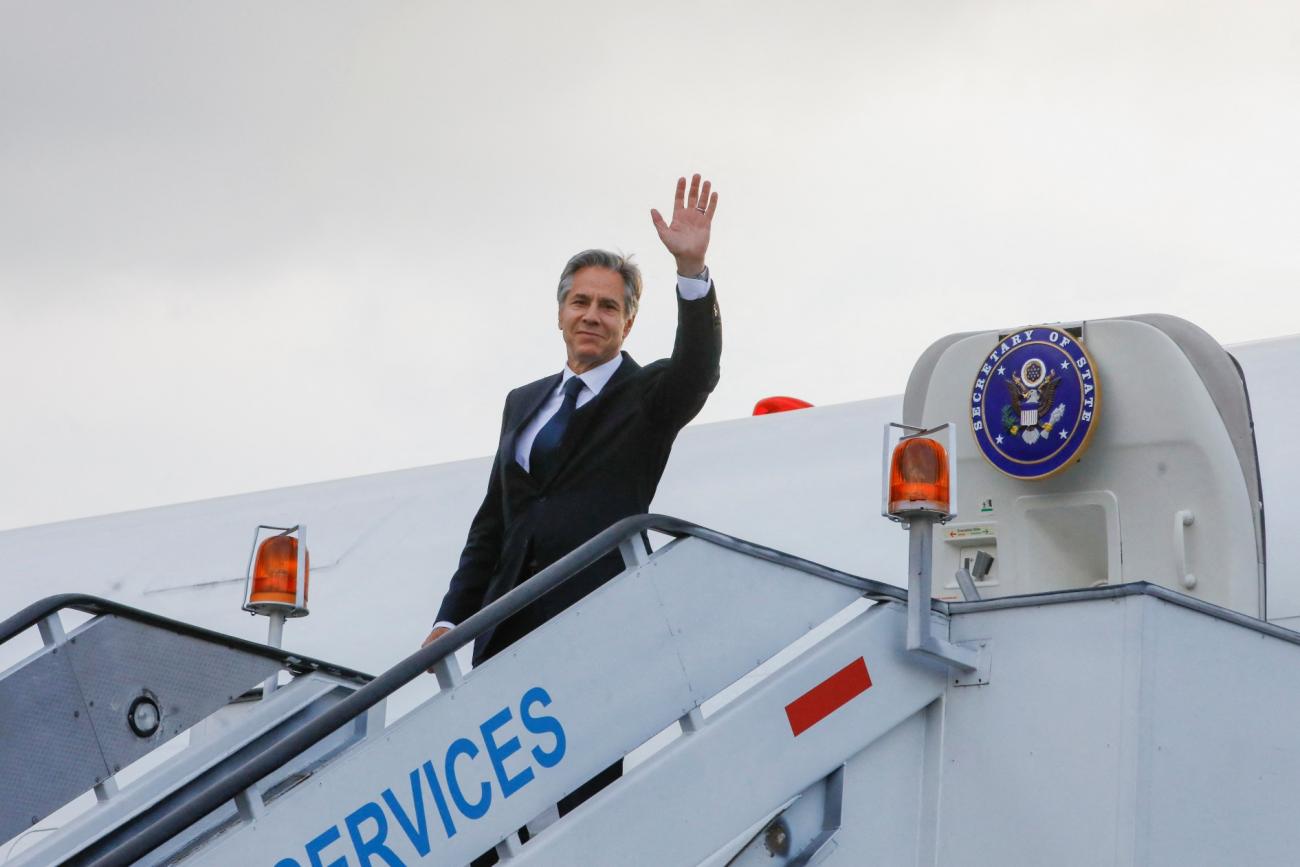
(593, 318)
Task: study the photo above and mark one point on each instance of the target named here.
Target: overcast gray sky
(248, 244)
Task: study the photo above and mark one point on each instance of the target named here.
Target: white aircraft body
(807, 483)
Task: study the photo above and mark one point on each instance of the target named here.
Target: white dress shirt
(689, 288)
(592, 380)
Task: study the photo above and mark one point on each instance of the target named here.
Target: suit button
(541, 499)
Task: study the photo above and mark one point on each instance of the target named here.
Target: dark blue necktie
(547, 441)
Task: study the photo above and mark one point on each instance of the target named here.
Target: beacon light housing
(769, 405)
(919, 476)
(278, 558)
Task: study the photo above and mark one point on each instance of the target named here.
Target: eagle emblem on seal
(1032, 410)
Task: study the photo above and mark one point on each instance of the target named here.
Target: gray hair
(620, 264)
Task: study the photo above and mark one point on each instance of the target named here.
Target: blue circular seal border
(1035, 402)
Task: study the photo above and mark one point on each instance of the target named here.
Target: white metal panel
(1032, 761)
(695, 795)
(884, 799)
(1221, 760)
(1126, 731)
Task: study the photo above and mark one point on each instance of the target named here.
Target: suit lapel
(576, 435)
(525, 408)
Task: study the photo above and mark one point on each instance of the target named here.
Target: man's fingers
(699, 198)
(693, 197)
(433, 636)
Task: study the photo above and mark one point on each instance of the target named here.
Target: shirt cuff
(691, 289)
(442, 623)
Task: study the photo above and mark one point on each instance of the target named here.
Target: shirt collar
(596, 378)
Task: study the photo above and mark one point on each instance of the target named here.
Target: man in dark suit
(581, 449)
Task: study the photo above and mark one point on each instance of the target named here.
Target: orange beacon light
(917, 473)
(273, 587)
(918, 477)
(274, 566)
(275, 574)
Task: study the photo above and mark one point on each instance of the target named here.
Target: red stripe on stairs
(828, 696)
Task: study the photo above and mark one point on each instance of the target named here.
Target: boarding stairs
(817, 721)
(311, 776)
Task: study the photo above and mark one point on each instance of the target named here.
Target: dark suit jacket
(608, 466)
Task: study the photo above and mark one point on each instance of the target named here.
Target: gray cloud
(247, 244)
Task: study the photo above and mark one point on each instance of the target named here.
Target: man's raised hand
(687, 237)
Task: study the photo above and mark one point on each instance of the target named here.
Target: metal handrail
(39, 611)
(1118, 591)
(166, 820)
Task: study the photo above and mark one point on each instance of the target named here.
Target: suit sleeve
(693, 370)
(479, 557)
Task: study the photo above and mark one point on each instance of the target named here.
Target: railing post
(106, 789)
(633, 550)
(51, 629)
(448, 672)
(692, 721)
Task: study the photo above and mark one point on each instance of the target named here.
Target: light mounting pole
(272, 587)
(920, 488)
